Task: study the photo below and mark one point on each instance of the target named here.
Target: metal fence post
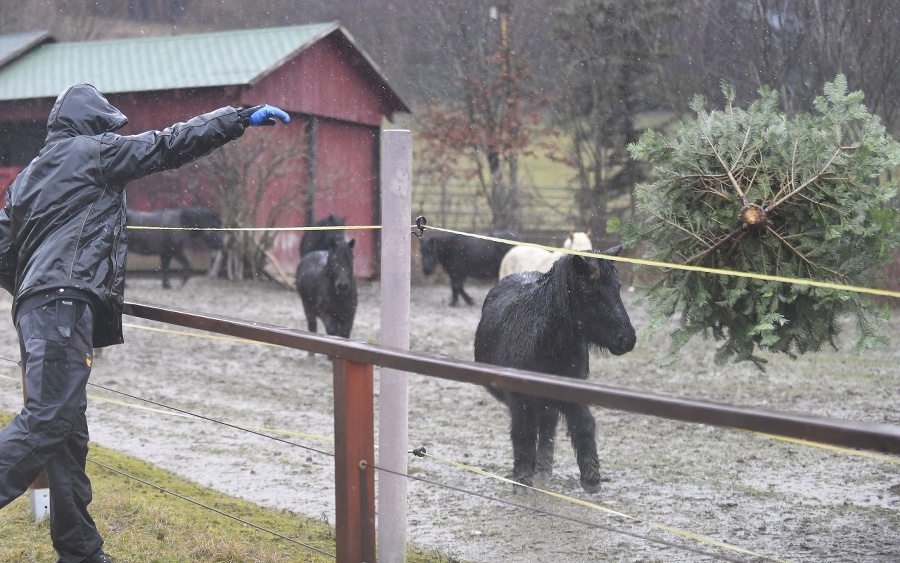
(354, 457)
(393, 397)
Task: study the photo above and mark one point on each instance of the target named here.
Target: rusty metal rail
(354, 424)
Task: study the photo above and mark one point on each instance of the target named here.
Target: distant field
(548, 193)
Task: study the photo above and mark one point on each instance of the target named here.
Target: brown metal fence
(354, 409)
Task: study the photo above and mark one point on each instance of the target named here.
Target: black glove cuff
(244, 115)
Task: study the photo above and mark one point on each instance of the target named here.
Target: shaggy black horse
(321, 240)
(547, 323)
(170, 243)
(327, 288)
(463, 256)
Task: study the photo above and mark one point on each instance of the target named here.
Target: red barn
(335, 94)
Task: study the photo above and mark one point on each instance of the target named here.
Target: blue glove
(264, 115)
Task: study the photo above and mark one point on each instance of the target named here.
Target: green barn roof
(157, 63)
(13, 46)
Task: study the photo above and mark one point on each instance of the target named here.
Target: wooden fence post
(354, 461)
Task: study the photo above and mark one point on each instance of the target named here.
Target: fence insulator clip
(419, 452)
(420, 226)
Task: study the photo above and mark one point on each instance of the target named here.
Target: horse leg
(582, 430)
(547, 420)
(185, 265)
(342, 324)
(523, 431)
(466, 296)
(456, 288)
(311, 325)
(164, 261)
(457, 284)
(310, 313)
(332, 326)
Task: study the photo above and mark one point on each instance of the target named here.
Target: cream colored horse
(528, 259)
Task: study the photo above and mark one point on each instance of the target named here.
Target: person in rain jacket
(62, 257)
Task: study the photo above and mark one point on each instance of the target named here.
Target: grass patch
(139, 523)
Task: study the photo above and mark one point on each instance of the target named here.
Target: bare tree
(248, 180)
(793, 46)
(612, 53)
(497, 112)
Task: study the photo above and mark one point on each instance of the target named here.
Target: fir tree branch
(734, 182)
(699, 257)
(679, 227)
(735, 244)
(816, 177)
(811, 265)
(792, 170)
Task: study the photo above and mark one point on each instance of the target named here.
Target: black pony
(321, 240)
(327, 288)
(464, 256)
(168, 243)
(547, 323)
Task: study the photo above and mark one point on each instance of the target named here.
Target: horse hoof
(522, 484)
(522, 490)
(591, 483)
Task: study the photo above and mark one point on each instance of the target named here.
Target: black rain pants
(51, 430)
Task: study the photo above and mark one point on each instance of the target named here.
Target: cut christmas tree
(754, 190)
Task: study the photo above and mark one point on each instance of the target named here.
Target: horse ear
(614, 251)
(351, 242)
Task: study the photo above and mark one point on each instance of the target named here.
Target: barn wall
(346, 173)
(330, 80)
(347, 184)
(289, 196)
(346, 167)
(23, 110)
(155, 111)
(327, 80)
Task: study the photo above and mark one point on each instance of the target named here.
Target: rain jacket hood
(63, 229)
(82, 110)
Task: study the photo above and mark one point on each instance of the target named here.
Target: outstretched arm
(130, 157)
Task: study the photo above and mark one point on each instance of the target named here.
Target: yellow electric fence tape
(639, 261)
(666, 265)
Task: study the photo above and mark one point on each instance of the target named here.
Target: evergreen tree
(755, 191)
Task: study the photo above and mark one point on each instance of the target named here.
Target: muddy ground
(773, 498)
